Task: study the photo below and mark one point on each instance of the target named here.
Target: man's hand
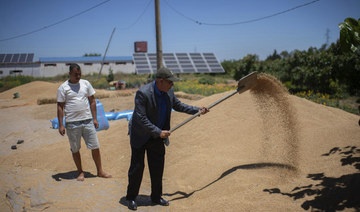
(96, 123)
(165, 134)
(203, 110)
(62, 130)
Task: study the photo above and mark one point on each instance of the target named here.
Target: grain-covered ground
(262, 150)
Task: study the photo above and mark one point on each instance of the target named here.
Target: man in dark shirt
(149, 130)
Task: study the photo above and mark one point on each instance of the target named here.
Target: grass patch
(348, 104)
(194, 87)
(9, 82)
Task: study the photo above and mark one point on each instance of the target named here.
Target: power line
(135, 22)
(240, 22)
(56, 23)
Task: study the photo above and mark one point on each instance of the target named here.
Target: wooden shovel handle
(199, 113)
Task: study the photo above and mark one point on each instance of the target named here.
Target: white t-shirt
(75, 96)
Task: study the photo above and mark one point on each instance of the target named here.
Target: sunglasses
(168, 81)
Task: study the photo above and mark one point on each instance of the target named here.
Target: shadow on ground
(70, 175)
(247, 166)
(331, 194)
(141, 200)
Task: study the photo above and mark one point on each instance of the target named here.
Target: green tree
(324, 70)
(274, 56)
(284, 54)
(350, 35)
(246, 66)
(230, 66)
(110, 77)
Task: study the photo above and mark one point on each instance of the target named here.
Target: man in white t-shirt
(73, 99)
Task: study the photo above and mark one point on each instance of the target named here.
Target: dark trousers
(155, 151)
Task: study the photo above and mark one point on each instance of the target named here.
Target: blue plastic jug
(101, 117)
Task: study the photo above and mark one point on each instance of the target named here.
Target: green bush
(326, 99)
(194, 87)
(323, 70)
(135, 83)
(9, 82)
(110, 77)
(102, 83)
(339, 91)
(289, 85)
(207, 80)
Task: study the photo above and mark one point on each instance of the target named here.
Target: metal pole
(158, 35)
(102, 62)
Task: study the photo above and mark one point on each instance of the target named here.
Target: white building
(52, 66)
(18, 64)
(22, 64)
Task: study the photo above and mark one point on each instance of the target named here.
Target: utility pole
(327, 35)
(102, 62)
(159, 56)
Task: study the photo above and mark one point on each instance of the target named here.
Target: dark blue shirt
(162, 105)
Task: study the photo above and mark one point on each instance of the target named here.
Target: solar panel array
(16, 58)
(145, 63)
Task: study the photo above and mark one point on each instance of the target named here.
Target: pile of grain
(221, 161)
(279, 121)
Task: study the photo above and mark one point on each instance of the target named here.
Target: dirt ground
(262, 150)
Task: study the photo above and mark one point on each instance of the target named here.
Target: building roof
(84, 59)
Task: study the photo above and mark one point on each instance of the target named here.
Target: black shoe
(132, 205)
(162, 202)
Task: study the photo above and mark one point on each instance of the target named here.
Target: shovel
(244, 84)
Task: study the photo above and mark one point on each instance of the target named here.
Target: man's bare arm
(93, 110)
(60, 115)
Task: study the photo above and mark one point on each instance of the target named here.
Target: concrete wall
(60, 68)
(20, 69)
(53, 69)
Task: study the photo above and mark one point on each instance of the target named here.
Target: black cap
(166, 73)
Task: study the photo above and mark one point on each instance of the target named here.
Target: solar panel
(142, 63)
(22, 58)
(171, 62)
(2, 56)
(8, 58)
(146, 63)
(15, 58)
(30, 58)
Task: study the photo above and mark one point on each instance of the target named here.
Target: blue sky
(135, 21)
